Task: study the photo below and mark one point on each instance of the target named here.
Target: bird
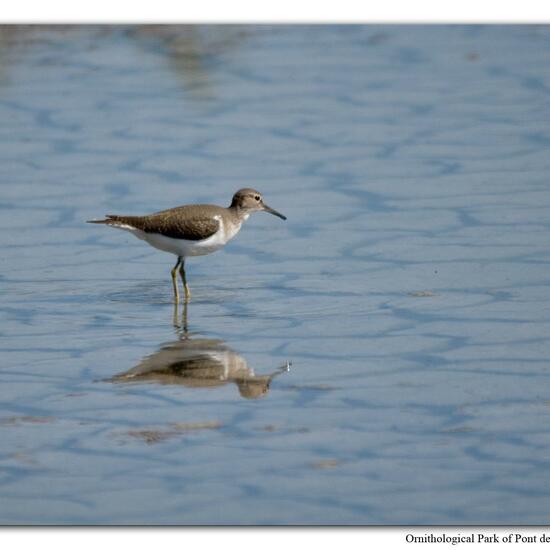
(192, 229)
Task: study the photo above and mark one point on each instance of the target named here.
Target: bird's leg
(184, 280)
(174, 273)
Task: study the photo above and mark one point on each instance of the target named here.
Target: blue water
(409, 287)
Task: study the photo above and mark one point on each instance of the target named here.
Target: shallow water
(408, 288)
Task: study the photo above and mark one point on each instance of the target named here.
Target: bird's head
(249, 200)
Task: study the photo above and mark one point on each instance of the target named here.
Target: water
(408, 288)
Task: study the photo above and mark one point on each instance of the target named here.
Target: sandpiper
(193, 229)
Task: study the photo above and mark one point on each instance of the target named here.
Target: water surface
(408, 287)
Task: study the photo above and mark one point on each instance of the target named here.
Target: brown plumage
(192, 222)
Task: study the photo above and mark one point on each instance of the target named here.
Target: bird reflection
(199, 363)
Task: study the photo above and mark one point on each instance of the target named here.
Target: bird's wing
(190, 229)
(184, 222)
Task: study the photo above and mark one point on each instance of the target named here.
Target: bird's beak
(274, 212)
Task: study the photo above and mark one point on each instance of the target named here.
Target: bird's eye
(257, 197)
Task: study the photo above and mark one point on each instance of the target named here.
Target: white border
(249, 11)
(256, 538)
